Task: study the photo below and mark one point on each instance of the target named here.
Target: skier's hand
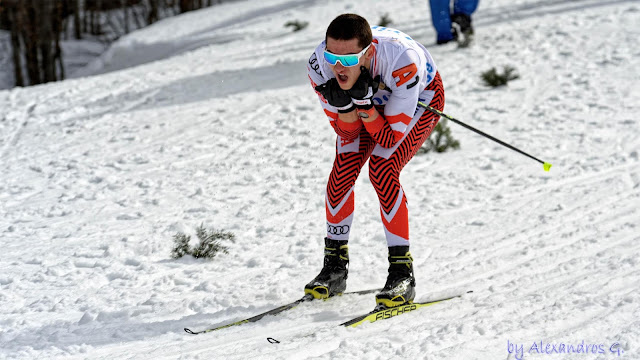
(363, 90)
(335, 96)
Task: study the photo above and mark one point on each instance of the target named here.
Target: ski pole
(546, 165)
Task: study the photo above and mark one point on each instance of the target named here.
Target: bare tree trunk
(35, 38)
(173, 6)
(96, 11)
(92, 20)
(126, 16)
(117, 28)
(153, 11)
(15, 19)
(186, 5)
(137, 17)
(29, 37)
(58, 28)
(76, 19)
(37, 27)
(85, 17)
(44, 41)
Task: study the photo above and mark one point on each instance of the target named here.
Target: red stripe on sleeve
(331, 114)
(402, 117)
(375, 125)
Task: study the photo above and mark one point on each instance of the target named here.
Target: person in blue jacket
(453, 26)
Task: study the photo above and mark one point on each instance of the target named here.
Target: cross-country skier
(369, 81)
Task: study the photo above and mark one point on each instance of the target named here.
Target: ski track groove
(482, 254)
(519, 263)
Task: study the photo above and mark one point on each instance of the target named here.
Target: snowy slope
(97, 174)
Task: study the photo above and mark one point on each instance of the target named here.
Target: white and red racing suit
(408, 75)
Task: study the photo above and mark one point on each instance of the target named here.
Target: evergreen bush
(209, 245)
(493, 79)
(385, 21)
(181, 245)
(440, 140)
(296, 25)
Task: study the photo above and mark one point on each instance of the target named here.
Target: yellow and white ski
(386, 313)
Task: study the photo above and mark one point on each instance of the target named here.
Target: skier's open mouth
(342, 79)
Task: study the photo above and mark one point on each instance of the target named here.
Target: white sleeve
(317, 77)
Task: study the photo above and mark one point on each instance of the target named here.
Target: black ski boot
(461, 25)
(332, 279)
(401, 284)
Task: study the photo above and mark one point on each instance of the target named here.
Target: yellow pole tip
(547, 166)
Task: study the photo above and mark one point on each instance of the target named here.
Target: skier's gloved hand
(335, 96)
(363, 90)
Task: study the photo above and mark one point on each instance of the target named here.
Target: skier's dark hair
(350, 26)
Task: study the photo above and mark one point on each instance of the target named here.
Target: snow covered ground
(98, 173)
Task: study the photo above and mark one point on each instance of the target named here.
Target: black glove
(363, 90)
(336, 96)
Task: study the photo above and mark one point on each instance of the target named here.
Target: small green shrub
(493, 79)
(440, 140)
(296, 25)
(209, 246)
(181, 245)
(385, 20)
